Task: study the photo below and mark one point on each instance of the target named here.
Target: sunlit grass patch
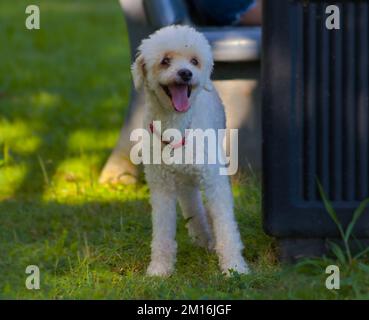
(18, 138)
(92, 140)
(11, 177)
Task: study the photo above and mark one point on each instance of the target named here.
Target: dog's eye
(165, 61)
(194, 61)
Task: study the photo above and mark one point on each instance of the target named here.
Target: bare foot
(119, 170)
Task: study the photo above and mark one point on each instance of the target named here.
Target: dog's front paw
(157, 269)
(239, 266)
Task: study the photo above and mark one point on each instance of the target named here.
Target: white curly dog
(174, 66)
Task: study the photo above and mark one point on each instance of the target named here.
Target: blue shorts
(222, 12)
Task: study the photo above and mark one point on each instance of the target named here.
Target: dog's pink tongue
(179, 97)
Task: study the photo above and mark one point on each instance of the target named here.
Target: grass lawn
(63, 90)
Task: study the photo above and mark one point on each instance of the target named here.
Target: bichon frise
(174, 66)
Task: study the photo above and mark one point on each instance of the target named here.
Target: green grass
(63, 90)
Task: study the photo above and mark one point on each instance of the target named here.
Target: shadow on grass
(59, 237)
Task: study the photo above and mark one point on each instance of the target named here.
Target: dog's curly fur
(211, 225)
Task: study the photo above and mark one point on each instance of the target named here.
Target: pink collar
(174, 146)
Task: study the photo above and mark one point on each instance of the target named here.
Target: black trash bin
(315, 121)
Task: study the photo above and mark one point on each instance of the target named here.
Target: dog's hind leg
(195, 215)
(228, 243)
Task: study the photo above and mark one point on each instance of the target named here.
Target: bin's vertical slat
(363, 113)
(323, 105)
(336, 92)
(298, 87)
(310, 155)
(349, 103)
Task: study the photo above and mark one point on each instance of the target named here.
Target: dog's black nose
(185, 74)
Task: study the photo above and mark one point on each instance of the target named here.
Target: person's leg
(253, 16)
(118, 168)
(222, 12)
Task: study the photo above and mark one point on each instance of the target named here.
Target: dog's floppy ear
(138, 71)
